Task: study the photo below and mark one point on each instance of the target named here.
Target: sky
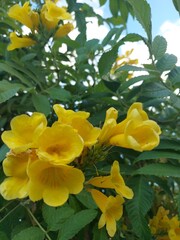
(165, 22)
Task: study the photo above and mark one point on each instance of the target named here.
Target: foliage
(76, 72)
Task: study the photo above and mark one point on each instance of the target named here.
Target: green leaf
(102, 2)
(154, 90)
(138, 207)
(132, 37)
(159, 46)
(59, 93)
(142, 12)
(114, 7)
(54, 217)
(100, 234)
(111, 34)
(152, 155)
(167, 62)
(160, 170)
(9, 69)
(177, 5)
(8, 90)
(77, 222)
(174, 76)
(3, 150)
(86, 199)
(107, 59)
(169, 144)
(32, 233)
(3, 236)
(41, 103)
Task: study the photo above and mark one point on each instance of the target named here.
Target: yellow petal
(13, 187)
(102, 182)
(64, 30)
(102, 221)
(99, 198)
(111, 226)
(60, 144)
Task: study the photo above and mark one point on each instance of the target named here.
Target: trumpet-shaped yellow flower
(174, 234)
(59, 144)
(86, 130)
(25, 131)
(63, 30)
(136, 131)
(66, 116)
(53, 183)
(24, 15)
(51, 14)
(108, 126)
(111, 208)
(114, 181)
(19, 42)
(16, 183)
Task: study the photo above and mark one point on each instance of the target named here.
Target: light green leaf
(139, 206)
(142, 12)
(41, 103)
(86, 199)
(159, 46)
(74, 224)
(152, 155)
(54, 217)
(114, 7)
(160, 170)
(59, 93)
(167, 62)
(102, 2)
(32, 233)
(111, 34)
(8, 90)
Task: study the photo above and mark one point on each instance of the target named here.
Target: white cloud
(171, 31)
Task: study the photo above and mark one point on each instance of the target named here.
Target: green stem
(38, 224)
(9, 213)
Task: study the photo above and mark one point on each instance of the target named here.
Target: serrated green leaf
(167, 62)
(132, 37)
(154, 90)
(41, 103)
(160, 170)
(142, 12)
(54, 217)
(159, 46)
(59, 93)
(86, 199)
(174, 76)
(107, 59)
(152, 155)
(74, 224)
(8, 90)
(139, 206)
(31, 233)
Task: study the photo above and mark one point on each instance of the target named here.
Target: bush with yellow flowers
(89, 145)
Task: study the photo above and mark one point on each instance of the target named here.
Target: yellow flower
(19, 42)
(25, 132)
(59, 144)
(16, 183)
(63, 30)
(136, 131)
(108, 126)
(66, 116)
(53, 183)
(174, 234)
(86, 130)
(114, 181)
(24, 15)
(51, 14)
(111, 208)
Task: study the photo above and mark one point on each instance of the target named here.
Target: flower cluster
(165, 227)
(49, 162)
(49, 20)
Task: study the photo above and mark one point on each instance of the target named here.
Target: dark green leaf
(100, 234)
(8, 90)
(167, 62)
(132, 37)
(142, 12)
(32, 233)
(114, 7)
(74, 224)
(3, 150)
(160, 170)
(102, 2)
(111, 34)
(139, 206)
(41, 103)
(86, 199)
(3, 236)
(154, 90)
(174, 76)
(177, 5)
(152, 155)
(56, 216)
(169, 144)
(159, 46)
